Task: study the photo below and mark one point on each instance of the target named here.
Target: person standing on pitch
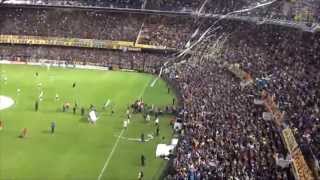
(140, 175)
(53, 126)
(128, 112)
(148, 118)
(112, 111)
(36, 105)
(1, 125)
(157, 121)
(143, 159)
(142, 137)
(63, 108)
(125, 124)
(157, 130)
(82, 111)
(74, 109)
(57, 97)
(18, 91)
(24, 133)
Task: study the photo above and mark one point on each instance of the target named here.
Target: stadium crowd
(72, 24)
(159, 30)
(175, 5)
(224, 134)
(140, 61)
(285, 10)
(289, 61)
(155, 29)
(298, 10)
(134, 4)
(167, 31)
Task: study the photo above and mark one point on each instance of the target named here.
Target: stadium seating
(214, 98)
(292, 10)
(224, 134)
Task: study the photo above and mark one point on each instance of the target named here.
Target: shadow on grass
(46, 132)
(84, 119)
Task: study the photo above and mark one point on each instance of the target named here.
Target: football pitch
(78, 149)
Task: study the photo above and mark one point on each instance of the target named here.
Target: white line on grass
(110, 155)
(117, 141)
(160, 73)
(144, 89)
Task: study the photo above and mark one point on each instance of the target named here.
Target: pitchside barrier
(62, 64)
(78, 42)
(65, 64)
(300, 167)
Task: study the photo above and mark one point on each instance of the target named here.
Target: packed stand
(288, 62)
(224, 7)
(224, 135)
(71, 24)
(175, 5)
(306, 11)
(140, 61)
(218, 112)
(297, 11)
(159, 30)
(135, 4)
(167, 31)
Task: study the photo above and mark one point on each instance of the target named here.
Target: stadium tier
(248, 91)
(293, 10)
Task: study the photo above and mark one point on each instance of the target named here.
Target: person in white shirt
(148, 118)
(57, 97)
(128, 112)
(106, 104)
(5, 79)
(41, 96)
(157, 121)
(125, 124)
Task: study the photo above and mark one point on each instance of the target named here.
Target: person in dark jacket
(143, 159)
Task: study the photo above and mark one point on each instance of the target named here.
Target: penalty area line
(110, 155)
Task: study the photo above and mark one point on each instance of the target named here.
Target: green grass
(77, 150)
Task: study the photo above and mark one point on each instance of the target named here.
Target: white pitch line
(117, 141)
(144, 88)
(110, 155)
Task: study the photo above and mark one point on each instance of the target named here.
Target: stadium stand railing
(300, 167)
(79, 43)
